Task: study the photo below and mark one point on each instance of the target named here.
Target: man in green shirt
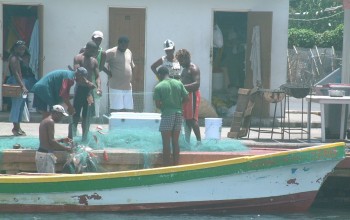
(169, 95)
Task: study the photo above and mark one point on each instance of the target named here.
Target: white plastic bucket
(213, 128)
(30, 102)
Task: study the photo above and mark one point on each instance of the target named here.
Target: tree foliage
(316, 22)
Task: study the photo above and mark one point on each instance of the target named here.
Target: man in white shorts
(121, 65)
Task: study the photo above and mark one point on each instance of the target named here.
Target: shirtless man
(44, 158)
(97, 37)
(83, 98)
(190, 77)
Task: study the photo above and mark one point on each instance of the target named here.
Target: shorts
(121, 99)
(40, 104)
(45, 162)
(80, 103)
(191, 107)
(171, 122)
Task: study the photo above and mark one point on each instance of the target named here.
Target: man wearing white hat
(97, 37)
(44, 158)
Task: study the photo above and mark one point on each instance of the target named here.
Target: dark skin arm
(107, 71)
(158, 104)
(102, 61)
(155, 65)
(70, 107)
(97, 79)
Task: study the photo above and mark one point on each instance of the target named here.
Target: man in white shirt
(121, 65)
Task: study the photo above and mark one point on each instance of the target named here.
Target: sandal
(16, 132)
(22, 132)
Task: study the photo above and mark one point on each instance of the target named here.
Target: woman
(169, 61)
(15, 78)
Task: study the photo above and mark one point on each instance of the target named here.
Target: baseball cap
(168, 45)
(97, 34)
(82, 71)
(59, 108)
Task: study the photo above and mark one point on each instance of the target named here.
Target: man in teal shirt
(169, 95)
(54, 89)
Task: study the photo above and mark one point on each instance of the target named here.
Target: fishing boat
(285, 181)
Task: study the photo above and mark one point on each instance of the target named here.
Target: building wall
(68, 25)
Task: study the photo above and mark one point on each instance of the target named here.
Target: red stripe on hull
(300, 202)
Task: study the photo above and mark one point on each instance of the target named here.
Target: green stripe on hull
(253, 163)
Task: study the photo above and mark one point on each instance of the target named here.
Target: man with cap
(45, 160)
(97, 37)
(121, 65)
(169, 61)
(54, 87)
(169, 95)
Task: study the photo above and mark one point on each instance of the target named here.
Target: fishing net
(144, 141)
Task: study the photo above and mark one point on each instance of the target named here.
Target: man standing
(54, 89)
(169, 96)
(83, 98)
(121, 66)
(44, 158)
(190, 77)
(97, 37)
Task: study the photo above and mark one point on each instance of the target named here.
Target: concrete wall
(68, 25)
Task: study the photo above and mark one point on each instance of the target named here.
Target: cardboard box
(11, 90)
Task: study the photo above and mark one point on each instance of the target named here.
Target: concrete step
(296, 120)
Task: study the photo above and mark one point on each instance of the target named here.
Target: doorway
(229, 52)
(231, 62)
(130, 22)
(22, 22)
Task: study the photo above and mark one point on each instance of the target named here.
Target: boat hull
(280, 182)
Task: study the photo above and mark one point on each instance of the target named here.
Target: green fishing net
(144, 141)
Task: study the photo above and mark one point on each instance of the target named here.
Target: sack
(218, 39)
(25, 114)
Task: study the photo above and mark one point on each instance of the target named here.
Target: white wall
(346, 48)
(68, 25)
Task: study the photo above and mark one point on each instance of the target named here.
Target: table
(324, 100)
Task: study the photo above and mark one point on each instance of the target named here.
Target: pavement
(295, 138)
(295, 129)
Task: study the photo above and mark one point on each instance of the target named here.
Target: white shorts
(121, 99)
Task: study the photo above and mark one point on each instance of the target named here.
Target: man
(190, 77)
(169, 96)
(121, 66)
(54, 89)
(97, 37)
(168, 61)
(83, 98)
(44, 158)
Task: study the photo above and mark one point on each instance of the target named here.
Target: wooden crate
(242, 116)
(11, 90)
